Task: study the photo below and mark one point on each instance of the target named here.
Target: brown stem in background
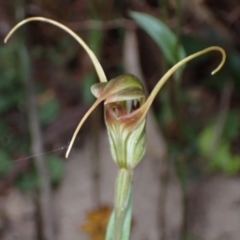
(95, 41)
(164, 171)
(222, 115)
(179, 22)
(159, 159)
(164, 10)
(46, 210)
(95, 163)
(184, 227)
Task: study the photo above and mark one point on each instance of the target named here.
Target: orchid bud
(127, 135)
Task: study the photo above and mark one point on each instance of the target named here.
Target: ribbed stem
(122, 198)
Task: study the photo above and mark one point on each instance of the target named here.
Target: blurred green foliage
(188, 136)
(49, 110)
(162, 35)
(5, 162)
(166, 40)
(56, 168)
(221, 156)
(13, 100)
(30, 181)
(12, 90)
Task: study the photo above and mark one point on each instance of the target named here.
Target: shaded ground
(214, 211)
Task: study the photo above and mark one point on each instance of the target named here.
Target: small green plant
(219, 156)
(125, 110)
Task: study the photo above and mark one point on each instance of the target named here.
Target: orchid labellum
(125, 111)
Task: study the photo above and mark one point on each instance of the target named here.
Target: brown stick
(37, 149)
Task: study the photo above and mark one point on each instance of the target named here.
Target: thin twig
(161, 166)
(222, 115)
(37, 147)
(95, 41)
(46, 209)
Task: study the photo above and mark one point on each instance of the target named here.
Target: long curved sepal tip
(97, 65)
(172, 70)
(80, 125)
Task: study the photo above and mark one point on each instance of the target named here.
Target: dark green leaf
(162, 35)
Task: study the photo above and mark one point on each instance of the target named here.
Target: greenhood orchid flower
(125, 111)
(125, 103)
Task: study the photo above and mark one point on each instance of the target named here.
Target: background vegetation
(197, 113)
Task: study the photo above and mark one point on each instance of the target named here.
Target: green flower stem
(122, 198)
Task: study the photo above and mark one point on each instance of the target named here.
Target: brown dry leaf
(96, 222)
